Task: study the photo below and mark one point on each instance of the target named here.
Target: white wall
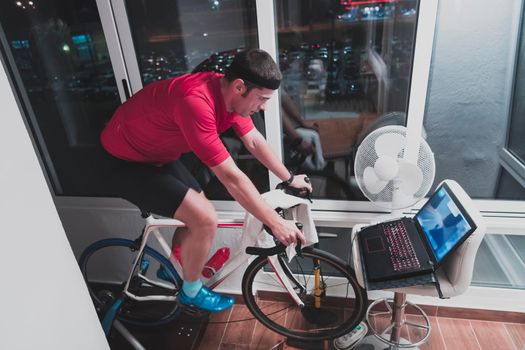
(43, 300)
(469, 90)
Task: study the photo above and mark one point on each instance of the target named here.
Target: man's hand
(287, 232)
(302, 182)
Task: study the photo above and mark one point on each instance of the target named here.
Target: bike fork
(284, 281)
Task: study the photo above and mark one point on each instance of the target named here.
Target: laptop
(409, 247)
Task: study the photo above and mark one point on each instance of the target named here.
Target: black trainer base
(184, 333)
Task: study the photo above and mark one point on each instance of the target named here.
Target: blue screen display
(443, 223)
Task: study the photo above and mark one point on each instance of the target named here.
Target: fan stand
(396, 213)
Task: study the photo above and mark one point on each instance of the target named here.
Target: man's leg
(196, 239)
(171, 190)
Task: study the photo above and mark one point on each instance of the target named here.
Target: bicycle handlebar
(279, 247)
(294, 191)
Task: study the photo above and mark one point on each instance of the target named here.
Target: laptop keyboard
(402, 252)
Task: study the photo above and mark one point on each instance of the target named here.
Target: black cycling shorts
(157, 189)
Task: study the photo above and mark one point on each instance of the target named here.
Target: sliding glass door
(59, 62)
(347, 69)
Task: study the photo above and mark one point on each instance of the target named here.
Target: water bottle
(216, 262)
(213, 265)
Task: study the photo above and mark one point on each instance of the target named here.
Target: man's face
(254, 101)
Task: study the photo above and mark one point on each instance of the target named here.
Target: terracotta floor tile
(491, 335)
(458, 334)
(517, 334)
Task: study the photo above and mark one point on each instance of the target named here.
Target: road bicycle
(314, 296)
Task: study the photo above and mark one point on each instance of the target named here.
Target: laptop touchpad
(374, 244)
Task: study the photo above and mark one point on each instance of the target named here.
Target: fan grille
(366, 157)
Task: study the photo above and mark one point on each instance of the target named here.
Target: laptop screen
(444, 222)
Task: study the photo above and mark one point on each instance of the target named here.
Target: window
(516, 142)
(347, 67)
(513, 156)
(61, 67)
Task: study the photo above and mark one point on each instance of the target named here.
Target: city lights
(24, 4)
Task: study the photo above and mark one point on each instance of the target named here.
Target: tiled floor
(447, 333)
(237, 329)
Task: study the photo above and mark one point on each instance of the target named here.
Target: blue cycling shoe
(207, 300)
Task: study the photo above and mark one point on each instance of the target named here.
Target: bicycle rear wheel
(329, 312)
(154, 275)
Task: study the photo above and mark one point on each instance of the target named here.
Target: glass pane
(500, 262)
(174, 37)
(466, 113)
(61, 57)
(516, 143)
(347, 68)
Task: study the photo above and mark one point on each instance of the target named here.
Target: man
(148, 133)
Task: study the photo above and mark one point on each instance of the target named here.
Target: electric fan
(387, 174)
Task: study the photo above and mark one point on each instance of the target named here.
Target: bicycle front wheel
(153, 275)
(334, 303)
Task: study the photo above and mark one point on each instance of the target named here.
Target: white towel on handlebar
(295, 208)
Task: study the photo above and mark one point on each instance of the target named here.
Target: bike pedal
(351, 339)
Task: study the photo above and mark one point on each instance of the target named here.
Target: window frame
(508, 160)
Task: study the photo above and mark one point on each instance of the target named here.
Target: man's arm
(256, 144)
(244, 192)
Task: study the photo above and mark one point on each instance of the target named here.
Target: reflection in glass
(60, 54)
(172, 38)
(347, 67)
(500, 262)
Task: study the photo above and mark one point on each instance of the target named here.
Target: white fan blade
(372, 183)
(410, 177)
(389, 145)
(386, 168)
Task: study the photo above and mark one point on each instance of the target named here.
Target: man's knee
(206, 219)
(197, 213)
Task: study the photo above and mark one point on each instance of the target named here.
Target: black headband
(246, 74)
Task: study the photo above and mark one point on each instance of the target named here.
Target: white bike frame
(153, 227)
